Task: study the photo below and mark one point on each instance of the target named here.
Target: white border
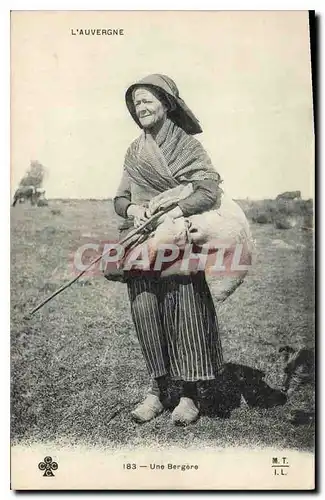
(5, 8)
(166, 5)
(5, 252)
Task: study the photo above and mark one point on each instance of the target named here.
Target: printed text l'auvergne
(97, 31)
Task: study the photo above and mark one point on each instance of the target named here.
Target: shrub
(270, 211)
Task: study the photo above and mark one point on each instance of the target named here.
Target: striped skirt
(177, 327)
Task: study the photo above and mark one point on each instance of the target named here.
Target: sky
(246, 75)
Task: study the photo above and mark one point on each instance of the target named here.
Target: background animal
(300, 366)
(30, 184)
(35, 195)
(23, 193)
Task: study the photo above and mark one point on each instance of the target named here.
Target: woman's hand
(175, 213)
(138, 213)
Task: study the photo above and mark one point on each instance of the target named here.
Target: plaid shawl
(169, 164)
(173, 158)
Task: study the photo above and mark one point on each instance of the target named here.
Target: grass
(77, 368)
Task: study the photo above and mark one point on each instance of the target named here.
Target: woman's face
(148, 108)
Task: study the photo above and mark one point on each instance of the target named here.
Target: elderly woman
(174, 316)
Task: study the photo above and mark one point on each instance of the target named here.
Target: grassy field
(76, 366)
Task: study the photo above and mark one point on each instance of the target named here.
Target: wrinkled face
(148, 108)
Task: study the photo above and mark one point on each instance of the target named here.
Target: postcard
(162, 250)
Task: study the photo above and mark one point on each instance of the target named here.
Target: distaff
(146, 224)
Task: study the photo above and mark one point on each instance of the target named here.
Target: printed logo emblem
(48, 466)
